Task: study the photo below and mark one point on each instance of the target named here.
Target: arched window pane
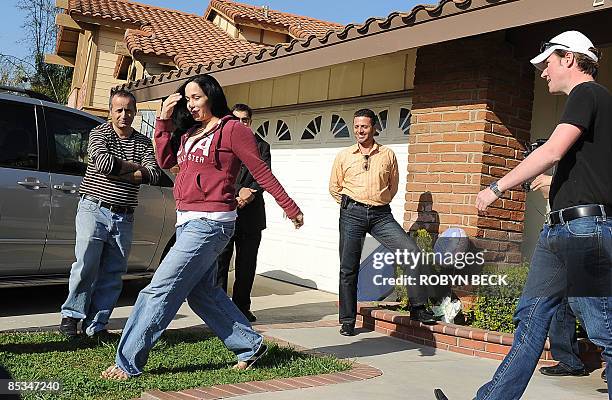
(313, 128)
(404, 120)
(338, 127)
(262, 131)
(282, 130)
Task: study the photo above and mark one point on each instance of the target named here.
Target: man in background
(249, 224)
(120, 160)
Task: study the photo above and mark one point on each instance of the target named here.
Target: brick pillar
(471, 116)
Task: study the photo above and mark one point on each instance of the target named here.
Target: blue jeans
(103, 242)
(564, 251)
(562, 336)
(187, 272)
(355, 222)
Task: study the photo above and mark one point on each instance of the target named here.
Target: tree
(12, 73)
(40, 37)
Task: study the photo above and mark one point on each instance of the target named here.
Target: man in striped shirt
(120, 160)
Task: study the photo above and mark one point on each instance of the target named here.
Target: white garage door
(304, 144)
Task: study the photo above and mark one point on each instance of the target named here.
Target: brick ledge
(456, 338)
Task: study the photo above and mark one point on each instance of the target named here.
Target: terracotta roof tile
(188, 39)
(298, 26)
(396, 20)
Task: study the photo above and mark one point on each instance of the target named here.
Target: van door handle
(66, 187)
(32, 183)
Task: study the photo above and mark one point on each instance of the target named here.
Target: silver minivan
(43, 157)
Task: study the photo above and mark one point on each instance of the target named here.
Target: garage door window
(313, 128)
(404, 120)
(381, 122)
(282, 131)
(338, 127)
(262, 131)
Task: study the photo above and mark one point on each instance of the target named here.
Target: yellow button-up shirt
(371, 181)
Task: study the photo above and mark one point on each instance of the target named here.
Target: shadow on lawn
(57, 343)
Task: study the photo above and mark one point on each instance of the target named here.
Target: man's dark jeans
(562, 335)
(568, 259)
(355, 222)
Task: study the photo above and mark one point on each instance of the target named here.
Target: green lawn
(180, 360)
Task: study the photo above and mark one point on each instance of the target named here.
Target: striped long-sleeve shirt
(105, 149)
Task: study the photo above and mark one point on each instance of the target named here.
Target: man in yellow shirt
(363, 181)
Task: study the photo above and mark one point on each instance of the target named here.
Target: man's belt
(572, 213)
(113, 208)
(368, 206)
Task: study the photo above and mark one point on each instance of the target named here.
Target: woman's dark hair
(181, 117)
(216, 99)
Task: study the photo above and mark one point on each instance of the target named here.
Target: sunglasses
(366, 162)
(547, 45)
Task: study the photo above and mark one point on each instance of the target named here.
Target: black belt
(569, 214)
(368, 206)
(113, 208)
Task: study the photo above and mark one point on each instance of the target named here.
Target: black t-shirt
(584, 173)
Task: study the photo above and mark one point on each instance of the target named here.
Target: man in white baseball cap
(573, 256)
(573, 41)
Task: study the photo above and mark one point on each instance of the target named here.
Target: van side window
(18, 139)
(69, 135)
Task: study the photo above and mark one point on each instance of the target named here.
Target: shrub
(494, 306)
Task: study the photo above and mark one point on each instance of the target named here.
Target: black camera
(530, 148)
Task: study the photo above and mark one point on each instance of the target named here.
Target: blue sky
(342, 11)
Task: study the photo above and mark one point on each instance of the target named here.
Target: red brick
(497, 348)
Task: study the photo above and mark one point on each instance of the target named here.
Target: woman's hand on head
(168, 105)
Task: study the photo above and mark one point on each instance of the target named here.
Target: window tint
(338, 127)
(381, 122)
(313, 128)
(262, 131)
(282, 130)
(404, 120)
(69, 134)
(18, 142)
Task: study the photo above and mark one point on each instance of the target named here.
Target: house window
(313, 128)
(381, 122)
(147, 126)
(282, 131)
(338, 127)
(404, 120)
(262, 131)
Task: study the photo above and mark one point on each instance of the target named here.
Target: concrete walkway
(306, 317)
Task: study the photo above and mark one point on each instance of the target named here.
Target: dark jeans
(565, 252)
(355, 222)
(562, 335)
(247, 246)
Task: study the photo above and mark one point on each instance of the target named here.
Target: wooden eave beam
(56, 59)
(67, 21)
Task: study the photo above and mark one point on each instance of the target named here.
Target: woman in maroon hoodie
(210, 152)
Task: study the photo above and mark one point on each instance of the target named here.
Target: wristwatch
(495, 189)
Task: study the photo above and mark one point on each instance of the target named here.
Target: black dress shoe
(68, 327)
(562, 370)
(423, 315)
(347, 330)
(440, 394)
(249, 316)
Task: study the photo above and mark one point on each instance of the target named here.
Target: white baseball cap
(573, 41)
